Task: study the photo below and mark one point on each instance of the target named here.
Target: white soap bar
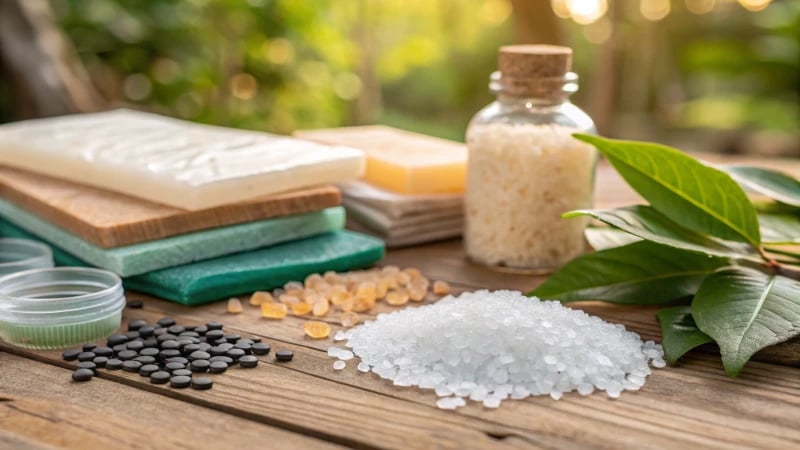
(171, 161)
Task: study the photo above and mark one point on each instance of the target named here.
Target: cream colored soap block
(170, 161)
(402, 161)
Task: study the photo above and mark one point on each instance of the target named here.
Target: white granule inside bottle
(521, 178)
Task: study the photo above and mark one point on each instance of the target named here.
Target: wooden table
(306, 404)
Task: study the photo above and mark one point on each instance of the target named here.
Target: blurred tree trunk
(41, 65)
(536, 23)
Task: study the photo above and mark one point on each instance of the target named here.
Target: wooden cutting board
(108, 219)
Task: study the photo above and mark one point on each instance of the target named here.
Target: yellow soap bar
(402, 161)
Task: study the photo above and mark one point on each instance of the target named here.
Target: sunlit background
(713, 75)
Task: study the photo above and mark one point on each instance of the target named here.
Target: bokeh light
(700, 6)
(654, 10)
(137, 87)
(243, 86)
(587, 11)
(754, 5)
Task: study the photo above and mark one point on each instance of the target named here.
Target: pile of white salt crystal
(492, 346)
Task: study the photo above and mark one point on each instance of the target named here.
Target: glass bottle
(525, 169)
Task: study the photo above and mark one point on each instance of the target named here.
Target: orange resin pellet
(288, 299)
(260, 297)
(302, 308)
(320, 307)
(402, 278)
(349, 319)
(441, 288)
(413, 273)
(364, 303)
(273, 310)
(317, 330)
(416, 293)
(234, 305)
(381, 287)
(397, 298)
(313, 280)
(348, 304)
(367, 289)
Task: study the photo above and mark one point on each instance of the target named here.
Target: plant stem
(769, 260)
(778, 251)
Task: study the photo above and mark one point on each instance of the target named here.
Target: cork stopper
(534, 70)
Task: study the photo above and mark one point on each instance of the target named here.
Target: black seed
(120, 347)
(159, 331)
(201, 330)
(219, 341)
(116, 339)
(179, 360)
(235, 353)
(172, 366)
(146, 331)
(226, 359)
(166, 337)
(232, 338)
(169, 353)
(166, 322)
(188, 334)
(284, 355)
(87, 365)
(217, 367)
(145, 359)
(89, 347)
(148, 369)
(149, 352)
(217, 351)
(135, 345)
(135, 304)
(260, 348)
(160, 377)
(176, 329)
(114, 364)
(82, 375)
(202, 383)
(199, 355)
(191, 348)
(100, 361)
(214, 334)
(136, 325)
(205, 347)
(201, 365)
(71, 355)
(104, 351)
(131, 366)
(244, 346)
(86, 356)
(182, 373)
(150, 343)
(131, 335)
(182, 342)
(214, 326)
(170, 344)
(180, 381)
(248, 361)
(126, 355)
(226, 346)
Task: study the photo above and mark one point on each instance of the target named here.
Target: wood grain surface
(108, 219)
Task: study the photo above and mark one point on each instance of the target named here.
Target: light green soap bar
(178, 250)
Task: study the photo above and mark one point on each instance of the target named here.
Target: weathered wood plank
(43, 407)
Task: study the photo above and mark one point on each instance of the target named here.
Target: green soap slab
(183, 249)
(262, 269)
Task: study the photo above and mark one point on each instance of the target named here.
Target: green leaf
(641, 273)
(696, 196)
(602, 238)
(679, 333)
(779, 228)
(775, 185)
(745, 310)
(647, 223)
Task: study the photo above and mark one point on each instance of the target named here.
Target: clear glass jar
(525, 170)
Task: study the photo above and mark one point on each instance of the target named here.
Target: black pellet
(256, 340)
(159, 331)
(190, 327)
(245, 341)
(189, 334)
(114, 364)
(182, 373)
(125, 355)
(176, 329)
(100, 361)
(244, 346)
(191, 348)
(202, 383)
(104, 351)
(235, 353)
(180, 382)
(182, 342)
(205, 347)
(131, 335)
(213, 334)
(199, 355)
(136, 325)
(201, 330)
(226, 359)
(232, 338)
(179, 360)
(146, 331)
(120, 347)
(248, 361)
(169, 353)
(131, 366)
(217, 351)
(173, 366)
(117, 339)
(166, 337)
(217, 367)
(260, 348)
(135, 304)
(86, 356)
(214, 325)
(284, 355)
(226, 346)
(219, 341)
(166, 322)
(149, 352)
(148, 369)
(150, 342)
(160, 377)
(135, 345)
(170, 344)
(82, 375)
(145, 359)
(71, 355)
(87, 365)
(89, 347)
(200, 365)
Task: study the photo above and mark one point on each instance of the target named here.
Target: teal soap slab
(182, 249)
(242, 273)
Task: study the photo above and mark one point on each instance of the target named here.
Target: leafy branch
(701, 238)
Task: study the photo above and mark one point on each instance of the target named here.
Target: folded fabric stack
(188, 212)
(412, 189)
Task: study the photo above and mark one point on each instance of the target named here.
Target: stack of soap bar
(262, 269)
(401, 161)
(178, 163)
